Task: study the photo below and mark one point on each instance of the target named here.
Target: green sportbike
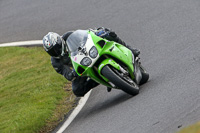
(106, 62)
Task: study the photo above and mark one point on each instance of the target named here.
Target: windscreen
(75, 40)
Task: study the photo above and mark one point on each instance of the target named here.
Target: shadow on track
(113, 101)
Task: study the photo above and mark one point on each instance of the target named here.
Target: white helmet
(53, 43)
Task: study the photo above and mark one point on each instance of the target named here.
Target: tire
(116, 79)
(145, 75)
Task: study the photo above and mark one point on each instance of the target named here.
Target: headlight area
(93, 52)
(86, 61)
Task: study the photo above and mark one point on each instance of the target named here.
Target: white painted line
(82, 102)
(22, 43)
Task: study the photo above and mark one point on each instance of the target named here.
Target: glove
(102, 32)
(72, 75)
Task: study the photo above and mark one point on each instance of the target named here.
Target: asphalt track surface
(167, 33)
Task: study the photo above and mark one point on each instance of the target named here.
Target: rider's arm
(66, 35)
(62, 69)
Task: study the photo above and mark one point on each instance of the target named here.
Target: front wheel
(122, 82)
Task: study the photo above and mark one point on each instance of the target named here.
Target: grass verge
(191, 129)
(33, 97)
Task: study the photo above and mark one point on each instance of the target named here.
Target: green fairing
(89, 72)
(112, 50)
(108, 61)
(118, 51)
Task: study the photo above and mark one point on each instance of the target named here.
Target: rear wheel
(145, 75)
(124, 83)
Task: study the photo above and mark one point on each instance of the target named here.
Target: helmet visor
(56, 50)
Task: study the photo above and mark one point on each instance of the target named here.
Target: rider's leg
(113, 36)
(80, 86)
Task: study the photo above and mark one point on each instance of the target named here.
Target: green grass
(191, 129)
(32, 94)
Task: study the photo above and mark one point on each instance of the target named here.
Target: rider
(55, 46)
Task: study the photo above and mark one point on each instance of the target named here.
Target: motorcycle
(106, 62)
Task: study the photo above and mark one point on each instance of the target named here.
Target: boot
(136, 52)
(109, 89)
